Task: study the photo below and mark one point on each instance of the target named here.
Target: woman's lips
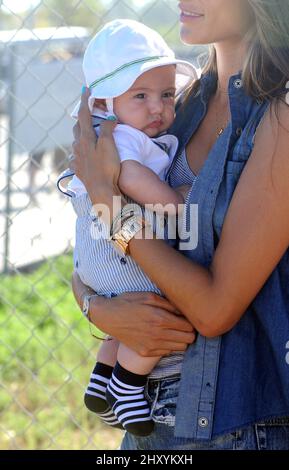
(184, 18)
(189, 15)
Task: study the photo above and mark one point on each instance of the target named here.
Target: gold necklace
(219, 128)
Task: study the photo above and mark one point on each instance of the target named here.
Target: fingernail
(111, 118)
(83, 89)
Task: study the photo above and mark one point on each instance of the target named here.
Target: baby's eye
(169, 94)
(140, 96)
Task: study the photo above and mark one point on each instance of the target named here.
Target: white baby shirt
(132, 144)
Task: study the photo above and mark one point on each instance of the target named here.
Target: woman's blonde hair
(266, 68)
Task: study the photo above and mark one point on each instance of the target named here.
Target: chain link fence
(46, 351)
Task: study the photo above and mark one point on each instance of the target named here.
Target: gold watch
(129, 228)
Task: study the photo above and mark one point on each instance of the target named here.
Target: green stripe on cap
(125, 66)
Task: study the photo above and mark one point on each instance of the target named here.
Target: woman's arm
(255, 235)
(157, 327)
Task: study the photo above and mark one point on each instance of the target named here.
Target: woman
(232, 391)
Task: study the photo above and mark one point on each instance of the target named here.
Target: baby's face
(149, 105)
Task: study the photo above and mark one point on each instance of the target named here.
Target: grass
(46, 356)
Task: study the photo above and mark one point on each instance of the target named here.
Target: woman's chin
(190, 37)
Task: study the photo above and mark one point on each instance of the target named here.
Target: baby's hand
(183, 190)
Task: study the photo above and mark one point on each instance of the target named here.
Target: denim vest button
(238, 83)
(239, 131)
(203, 422)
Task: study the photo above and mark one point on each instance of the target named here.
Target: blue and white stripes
(108, 273)
(98, 263)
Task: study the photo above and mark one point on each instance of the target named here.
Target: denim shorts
(162, 396)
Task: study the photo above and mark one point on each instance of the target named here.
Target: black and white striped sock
(125, 394)
(94, 397)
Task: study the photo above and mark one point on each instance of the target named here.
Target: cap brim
(119, 83)
(116, 86)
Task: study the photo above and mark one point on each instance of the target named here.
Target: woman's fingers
(97, 162)
(150, 298)
(76, 131)
(175, 322)
(158, 352)
(165, 327)
(71, 160)
(107, 128)
(171, 321)
(179, 337)
(165, 316)
(84, 117)
(164, 348)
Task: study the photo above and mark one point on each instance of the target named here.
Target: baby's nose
(157, 106)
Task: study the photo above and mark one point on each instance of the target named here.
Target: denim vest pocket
(162, 396)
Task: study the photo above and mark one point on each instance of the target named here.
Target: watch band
(129, 210)
(130, 227)
(86, 303)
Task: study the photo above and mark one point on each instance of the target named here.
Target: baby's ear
(100, 104)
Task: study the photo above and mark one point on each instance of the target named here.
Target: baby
(134, 76)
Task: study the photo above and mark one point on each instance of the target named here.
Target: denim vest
(242, 377)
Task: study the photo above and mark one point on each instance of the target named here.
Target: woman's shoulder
(274, 126)
(272, 144)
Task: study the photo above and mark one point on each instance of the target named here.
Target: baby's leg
(125, 391)
(135, 363)
(94, 398)
(107, 353)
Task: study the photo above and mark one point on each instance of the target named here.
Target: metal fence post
(10, 111)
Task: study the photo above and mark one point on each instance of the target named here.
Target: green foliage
(46, 356)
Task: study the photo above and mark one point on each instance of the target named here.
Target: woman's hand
(143, 321)
(146, 323)
(96, 161)
(79, 289)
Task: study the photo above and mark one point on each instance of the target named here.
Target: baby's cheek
(171, 116)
